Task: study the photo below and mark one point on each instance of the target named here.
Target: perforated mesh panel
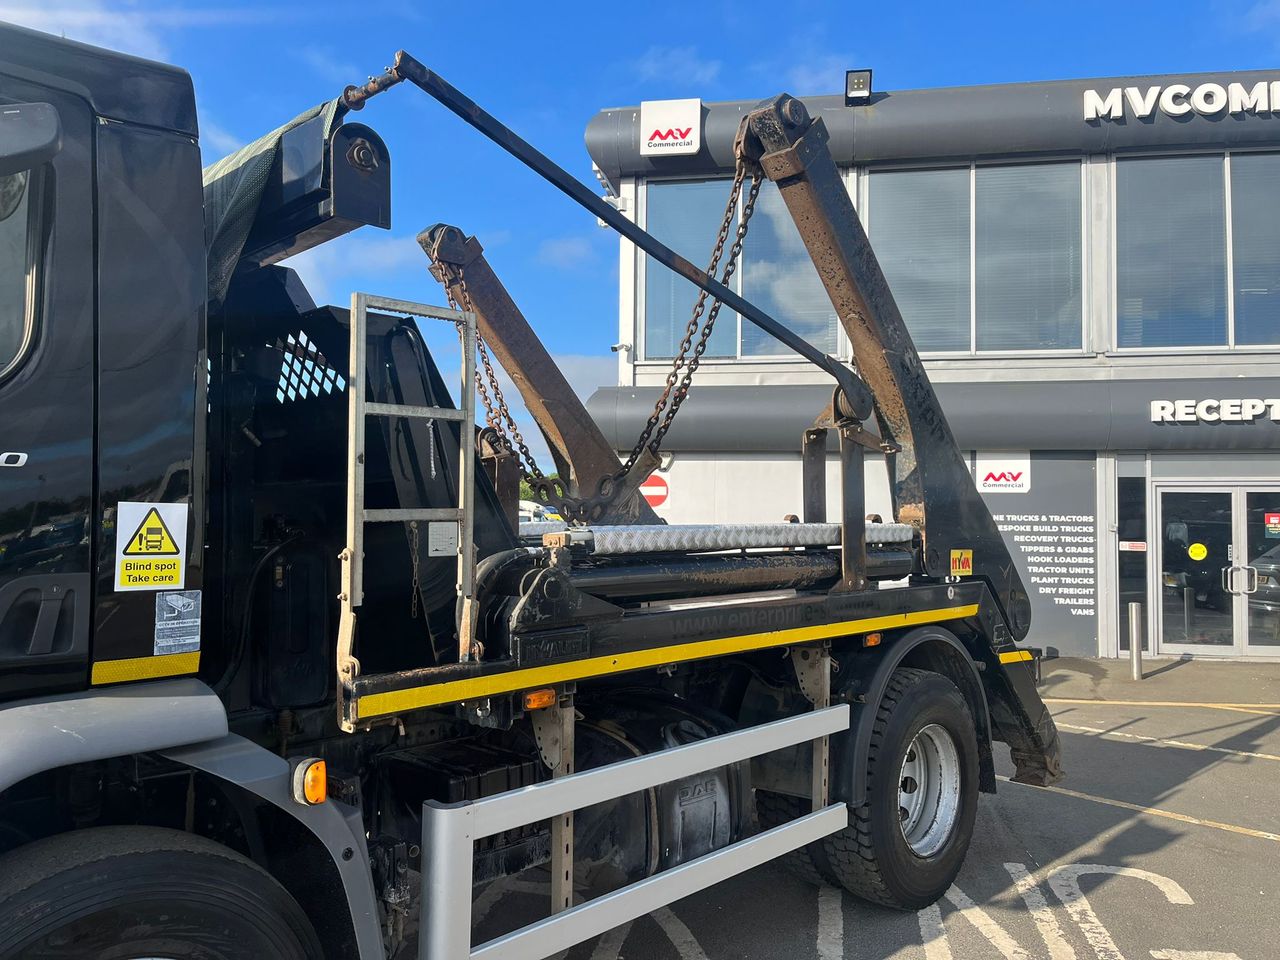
(304, 372)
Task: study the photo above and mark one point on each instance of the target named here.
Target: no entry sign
(654, 490)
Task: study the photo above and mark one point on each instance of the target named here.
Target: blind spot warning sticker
(151, 546)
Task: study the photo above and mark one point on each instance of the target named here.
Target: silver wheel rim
(929, 790)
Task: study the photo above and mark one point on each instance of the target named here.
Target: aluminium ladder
(461, 516)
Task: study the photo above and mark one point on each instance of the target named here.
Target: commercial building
(1091, 271)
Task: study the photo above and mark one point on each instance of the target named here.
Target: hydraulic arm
(581, 452)
(933, 485)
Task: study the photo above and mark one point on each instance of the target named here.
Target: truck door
(46, 406)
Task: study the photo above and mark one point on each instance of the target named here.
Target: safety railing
(449, 832)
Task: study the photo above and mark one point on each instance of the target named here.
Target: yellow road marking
(455, 691)
(1155, 812)
(1261, 709)
(145, 668)
(1017, 656)
(1160, 741)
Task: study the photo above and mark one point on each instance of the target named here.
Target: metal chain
(691, 329)
(496, 412)
(679, 379)
(413, 546)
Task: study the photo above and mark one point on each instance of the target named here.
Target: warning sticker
(1197, 551)
(151, 546)
(442, 539)
(962, 563)
(177, 622)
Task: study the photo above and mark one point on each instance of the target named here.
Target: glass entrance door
(1196, 610)
(1218, 571)
(1261, 586)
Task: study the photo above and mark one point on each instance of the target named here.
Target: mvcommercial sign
(1180, 99)
(1214, 411)
(670, 128)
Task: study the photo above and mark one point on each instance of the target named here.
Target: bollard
(1135, 639)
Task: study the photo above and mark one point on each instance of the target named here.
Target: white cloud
(332, 270)
(819, 73)
(587, 374)
(674, 64)
(326, 63)
(130, 27)
(566, 253)
(216, 141)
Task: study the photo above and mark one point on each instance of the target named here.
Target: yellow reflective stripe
(145, 668)
(1017, 656)
(455, 691)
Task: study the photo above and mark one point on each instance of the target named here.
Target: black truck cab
(101, 375)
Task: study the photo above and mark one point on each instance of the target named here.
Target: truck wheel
(119, 892)
(906, 844)
(775, 809)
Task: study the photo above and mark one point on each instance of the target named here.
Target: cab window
(18, 214)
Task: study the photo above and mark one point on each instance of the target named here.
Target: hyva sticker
(151, 546)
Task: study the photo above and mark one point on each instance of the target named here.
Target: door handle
(1229, 579)
(1251, 584)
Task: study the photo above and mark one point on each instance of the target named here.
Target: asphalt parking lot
(1163, 843)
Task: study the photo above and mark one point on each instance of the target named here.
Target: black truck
(282, 674)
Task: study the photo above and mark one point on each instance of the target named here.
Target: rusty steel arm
(856, 400)
(933, 484)
(580, 450)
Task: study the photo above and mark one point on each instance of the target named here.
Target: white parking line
(933, 934)
(1038, 907)
(1263, 709)
(830, 923)
(1155, 812)
(985, 925)
(1160, 741)
(1065, 882)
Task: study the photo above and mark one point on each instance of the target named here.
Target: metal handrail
(450, 830)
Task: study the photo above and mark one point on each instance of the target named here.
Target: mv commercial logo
(1003, 472)
(1181, 99)
(670, 128)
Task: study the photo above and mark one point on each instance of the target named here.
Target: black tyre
(775, 809)
(125, 892)
(904, 847)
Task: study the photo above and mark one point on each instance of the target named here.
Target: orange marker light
(539, 699)
(310, 782)
(872, 640)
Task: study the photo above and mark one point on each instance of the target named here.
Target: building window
(1171, 252)
(17, 266)
(919, 222)
(685, 216)
(983, 258)
(775, 273)
(780, 278)
(1028, 254)
(1255, 247)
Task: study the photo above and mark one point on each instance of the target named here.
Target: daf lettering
(13, 459)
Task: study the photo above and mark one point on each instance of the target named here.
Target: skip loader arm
(932, 484)
(581, 452)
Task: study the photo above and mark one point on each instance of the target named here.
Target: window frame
(843, 350)
(1230, 347)
(1084, 349)
(37, 248)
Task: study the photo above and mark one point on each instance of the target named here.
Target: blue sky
(546, 68)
